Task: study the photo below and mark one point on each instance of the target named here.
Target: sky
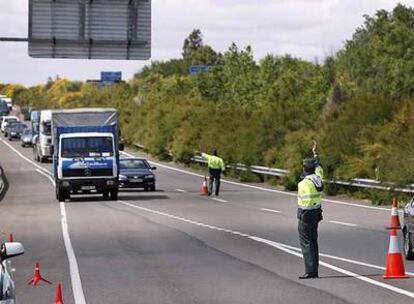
(309, 29)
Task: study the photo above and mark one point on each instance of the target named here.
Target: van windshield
(87, 147)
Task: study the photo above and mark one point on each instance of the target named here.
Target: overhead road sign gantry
(90, 29)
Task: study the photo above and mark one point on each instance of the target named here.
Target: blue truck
(86, 149)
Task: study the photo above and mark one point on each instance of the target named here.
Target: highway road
(175, 246)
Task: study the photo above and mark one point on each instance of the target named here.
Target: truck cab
(87, 164)
(42, 149)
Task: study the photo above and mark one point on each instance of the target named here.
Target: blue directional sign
(111, 77)
(195, 69)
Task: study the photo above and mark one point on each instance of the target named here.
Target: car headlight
(65, 184)
(122, 177)
(149, 176)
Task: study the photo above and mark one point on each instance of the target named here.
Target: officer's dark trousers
(214, 179)
(308, 237)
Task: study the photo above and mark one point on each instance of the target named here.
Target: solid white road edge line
(181, 190)
(343, 224)
(282, 247)
(262, 188)
(24, 157)
(270, 210)
(77, 289)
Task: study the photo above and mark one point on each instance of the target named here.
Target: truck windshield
(87, 147)
(46, 128)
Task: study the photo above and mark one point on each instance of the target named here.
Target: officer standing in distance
(215, 167)
(309, 215)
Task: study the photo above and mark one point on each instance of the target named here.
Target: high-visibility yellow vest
(319, 172)
(214, 162)
(308, 196)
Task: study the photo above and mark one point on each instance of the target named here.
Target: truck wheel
(61, 195)
(152, 188)
(105, 194)
(41, 159)
(408, 245)
(114, 195)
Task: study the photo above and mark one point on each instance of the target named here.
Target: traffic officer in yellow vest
(215, 167)
(309, 215)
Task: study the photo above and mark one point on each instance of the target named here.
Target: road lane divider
(181, 190)
(343, 224)
(270, 210)
(77, 289)
(285, 248)
(337, 202)
(219, 200)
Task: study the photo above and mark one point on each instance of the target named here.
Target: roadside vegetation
(358, 104)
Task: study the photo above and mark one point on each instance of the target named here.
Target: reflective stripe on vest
(308, 196)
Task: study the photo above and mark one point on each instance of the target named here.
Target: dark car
(136, 173)
(408, 230)
(15, 130)
(27, 137)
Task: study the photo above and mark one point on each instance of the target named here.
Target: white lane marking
(24, 157)
(338, 269)
(262, 188)
(270, 210)
(343, 224)
(47, 175)
(285, 248)
(219, 200)
(181, 190)
(77, 289)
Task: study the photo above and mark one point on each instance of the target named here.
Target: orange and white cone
(395, 265)
(395, 219)
(204, 188)
(58, 294)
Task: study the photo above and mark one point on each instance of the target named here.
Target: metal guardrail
(356, 182)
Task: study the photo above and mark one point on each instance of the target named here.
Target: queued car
(408, 230)
(6, 120)
(136, 173)
(15, 130)
(7, 285)
(27, 137)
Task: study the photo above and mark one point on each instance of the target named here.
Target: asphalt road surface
(175, 246)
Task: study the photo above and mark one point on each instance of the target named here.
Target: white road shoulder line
(77, 289)
(285, 248)
(219, 200)
(270, 210)
(343, 223)
(262, 188)
(181, 190)
(24, 157)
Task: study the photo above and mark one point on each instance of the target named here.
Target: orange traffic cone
(395, 219)
(204, 188)
(11, 239)
(395, 265)
(37, 277)
(58, 295)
